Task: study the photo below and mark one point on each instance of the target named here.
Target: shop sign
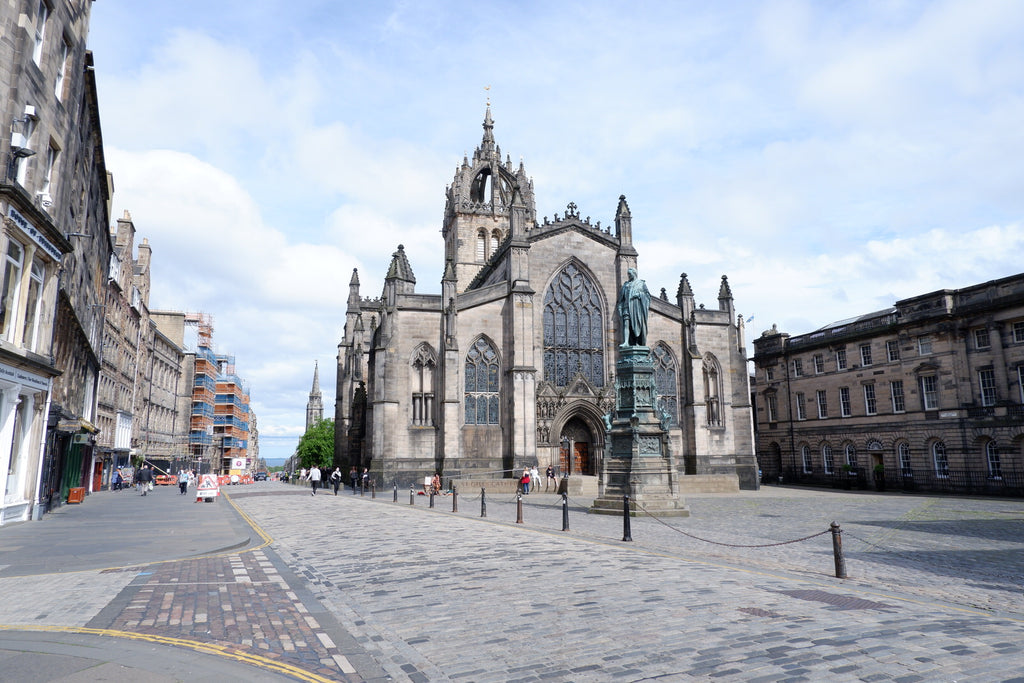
(24, 377)
(34, 234)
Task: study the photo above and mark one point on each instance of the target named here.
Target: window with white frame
(892, 350)
(801, 406)
(1018, 332)
(62, 68)
(987, 383)
(42, 14)
(827, 460)
(995, 470)
(1020, 382)
(844, 402)
(819, 364)
(930, 392)
(771, 404)
(798, 367)
(11, 294)
(851, 456)
(805, 458)
(865, 354)
(870, 404)
(840, 359)
(981, 338)
(903, 453)
(924, 345)
(940, 460)
(46, 191)
(822, 404)
(33, 304)
(899, 404)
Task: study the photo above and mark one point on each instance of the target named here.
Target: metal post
(483, 502)
(626, 534)
(519, 508)
(373, 490)
(455, 499)
(431, 497)
(837, 550)
(565, 512)
(396, 493)
(362, 489)
(412, 495)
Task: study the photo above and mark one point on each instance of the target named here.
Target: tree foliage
(316, 447)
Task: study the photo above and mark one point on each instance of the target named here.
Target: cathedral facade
(512, 364)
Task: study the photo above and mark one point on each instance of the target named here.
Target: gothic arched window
(665, 382)
(481, 399)
(573, 329)
(495, 241)
(712, 391)
(422, 382)
(481, 245)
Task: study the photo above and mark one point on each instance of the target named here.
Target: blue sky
(829, 157)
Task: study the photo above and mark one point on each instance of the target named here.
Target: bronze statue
(634, 303)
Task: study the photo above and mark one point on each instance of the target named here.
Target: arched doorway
(574, 454)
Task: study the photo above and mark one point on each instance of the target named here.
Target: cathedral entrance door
(574, 455)
(581, 458)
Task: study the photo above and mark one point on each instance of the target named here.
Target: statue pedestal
(637, 459)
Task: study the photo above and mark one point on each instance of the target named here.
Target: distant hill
(275, 462)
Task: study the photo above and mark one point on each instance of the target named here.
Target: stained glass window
(573, 329)
(665, 382)
(481, 395)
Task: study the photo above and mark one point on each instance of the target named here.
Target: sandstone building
(925, 395)
(512, 363)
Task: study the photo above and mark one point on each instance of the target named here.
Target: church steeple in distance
(315, 406)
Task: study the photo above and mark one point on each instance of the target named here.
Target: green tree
(316, 447)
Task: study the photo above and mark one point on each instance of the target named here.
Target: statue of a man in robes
(634, 303)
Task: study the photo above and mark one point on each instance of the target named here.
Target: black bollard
(412, 495)
(837, 550)
(362, 488)
(373, 490)
(519, 508)
(455, 499)
(626, 534)
(483, 502)
(431, 497)
(565, 512)
(396, 493)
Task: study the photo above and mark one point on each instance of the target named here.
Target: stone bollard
(455, 499)
(837, 550)
(412, 495)
(519, 508)
(373, 490)
(565, 512)
(483, 502)
(626, 534)
(431, 497)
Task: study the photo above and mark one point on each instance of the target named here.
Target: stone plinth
(638, 460)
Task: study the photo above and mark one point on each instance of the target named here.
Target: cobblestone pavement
(934, 593)
(355, 588)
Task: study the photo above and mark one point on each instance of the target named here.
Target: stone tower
(315, 406)
(478, 206)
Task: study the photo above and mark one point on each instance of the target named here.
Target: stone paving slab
(440, 596)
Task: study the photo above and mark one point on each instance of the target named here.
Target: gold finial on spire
(487, 89)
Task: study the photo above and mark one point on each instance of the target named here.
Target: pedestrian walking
(117, 481)
(314, 477)
(145, 479)
(353, 474)
(336, 479)
(366, 478)
(549, 479)
(183, 481)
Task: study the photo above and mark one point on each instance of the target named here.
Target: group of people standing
(531, 478)
(314, 476)
(144, 479)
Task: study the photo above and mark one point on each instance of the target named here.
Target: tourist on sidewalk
(145, 479)
(314, 478)
(336, 479)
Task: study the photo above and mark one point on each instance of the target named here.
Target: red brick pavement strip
(239, 602)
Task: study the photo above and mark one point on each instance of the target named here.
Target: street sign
(208, 487)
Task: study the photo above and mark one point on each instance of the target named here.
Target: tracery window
(573, 329)
(422, 383)
(665, 382)
(481, 245)
(481, 399)
(712, 391)
(495, 241)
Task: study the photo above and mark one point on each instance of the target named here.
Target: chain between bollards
(483, 502)
(837, 550)
(455, 498)
(626, 534)
(565, 512)
(519, 508)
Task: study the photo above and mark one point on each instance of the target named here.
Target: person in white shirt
(314, 477)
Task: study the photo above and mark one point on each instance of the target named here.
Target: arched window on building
(826, 459)
(903, 454)
(995, 470)
(423, 365)
(495, 241)
(573, 329)
(712, 391)
(851, 456)
(481, 396)
(481, 245)
(940, 459)
(665, 382)
(805, 458)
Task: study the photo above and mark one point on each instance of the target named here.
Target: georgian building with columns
(512, 363)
